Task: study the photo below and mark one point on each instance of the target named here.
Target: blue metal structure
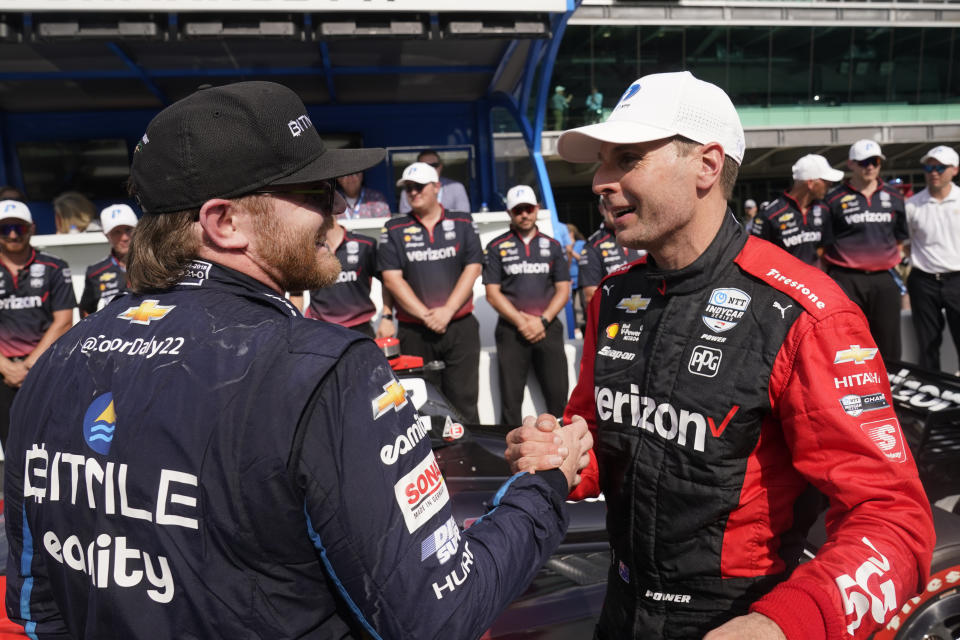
(436, 90)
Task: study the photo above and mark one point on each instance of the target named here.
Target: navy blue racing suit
(223, 468)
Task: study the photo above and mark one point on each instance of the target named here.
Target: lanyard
(352, 211)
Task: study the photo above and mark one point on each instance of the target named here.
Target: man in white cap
(528, 283)
(451, 194)
(710, 379)
(749, 213)
(107, 279)
(36, 303)
(862, 235)
(794, 221)
(430, 260)
(933, 216)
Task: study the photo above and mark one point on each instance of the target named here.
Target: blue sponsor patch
(99, 423)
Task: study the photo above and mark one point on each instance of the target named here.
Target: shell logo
(613, 330)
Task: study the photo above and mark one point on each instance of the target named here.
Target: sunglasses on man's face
(413, 187)
(939, 168)
(521, 209)
(18, 228)
(869, 162)
(321, 197)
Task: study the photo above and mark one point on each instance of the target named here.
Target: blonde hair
(73, 211)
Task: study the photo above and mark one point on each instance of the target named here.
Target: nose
(606, 180)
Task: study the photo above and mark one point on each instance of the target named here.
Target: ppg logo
(705, 361)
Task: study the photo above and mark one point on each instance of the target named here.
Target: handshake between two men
(541, 444)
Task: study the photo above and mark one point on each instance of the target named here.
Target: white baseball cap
(657, 106)
(750, 204)
(815, 167)
(520, 194)
(419, 172)
(943, 154)
(15, 209)
(863, 149)
(117, 215)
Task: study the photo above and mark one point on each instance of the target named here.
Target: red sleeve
(581, 402)
(846, 440)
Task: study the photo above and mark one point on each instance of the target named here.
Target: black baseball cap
(224, 142)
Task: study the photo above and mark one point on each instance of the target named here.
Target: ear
(221, 224)
(711, 165)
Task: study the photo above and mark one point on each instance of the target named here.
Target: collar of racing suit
(723, 249)
(201, 274)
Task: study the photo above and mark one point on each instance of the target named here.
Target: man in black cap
(223, 467)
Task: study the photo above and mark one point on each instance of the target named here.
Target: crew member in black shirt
(794, 221)
(867, 225)
(36, 303)
(107, 279)
(528, 283)
(430, 261)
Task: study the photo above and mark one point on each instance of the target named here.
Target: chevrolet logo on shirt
(393, 396)
(854, 354)
(147, 312)
(634, 303)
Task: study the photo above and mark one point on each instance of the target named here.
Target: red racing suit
(717, 395)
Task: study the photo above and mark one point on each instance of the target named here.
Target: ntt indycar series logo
(725, 308)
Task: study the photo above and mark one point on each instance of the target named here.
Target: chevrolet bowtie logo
(393, 396)
(854, 354)
(147, 312)
(634, 303)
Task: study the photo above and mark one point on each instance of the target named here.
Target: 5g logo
(857, 596)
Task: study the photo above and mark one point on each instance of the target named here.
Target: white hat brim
(583, 143)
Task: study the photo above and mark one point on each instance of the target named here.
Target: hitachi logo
(856, 380)
(526, 267)
(663, 419)
(429, 255)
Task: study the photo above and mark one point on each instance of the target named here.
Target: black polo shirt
(431, 259)
(28, 299)
(525, 271)
(786, 225)
(862, 233)
(104, 281)
(347, 302)
(602, 255)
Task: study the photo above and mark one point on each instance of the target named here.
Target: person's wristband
(386, 316)
(546, 323)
